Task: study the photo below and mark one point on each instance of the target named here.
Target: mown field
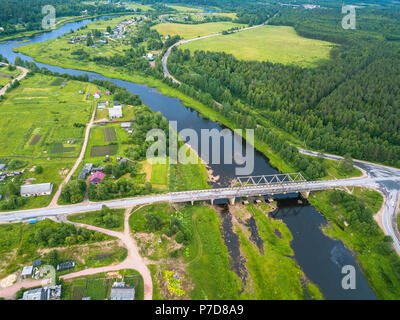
(278, 44)
(188, 31)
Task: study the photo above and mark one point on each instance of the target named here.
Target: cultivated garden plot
(39, 116)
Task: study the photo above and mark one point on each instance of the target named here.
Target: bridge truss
(269, 180)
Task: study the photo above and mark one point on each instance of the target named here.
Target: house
(97, 95)
(120, 291)
(66, 265)
(44, 293)
(35, 190)
(27, 272)
(115, 112)
(87, 168)
(97, 177)
(35, 294)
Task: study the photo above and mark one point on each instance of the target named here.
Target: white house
(33, 190)
(115, 112)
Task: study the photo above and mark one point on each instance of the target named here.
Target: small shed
(27, 272)
(66, 266)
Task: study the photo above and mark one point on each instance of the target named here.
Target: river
(320, 257)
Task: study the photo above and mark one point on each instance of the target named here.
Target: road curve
(133, 260)
(386, 183)
(169, 50)
(19, 78)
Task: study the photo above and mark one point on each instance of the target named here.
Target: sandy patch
(8, 281)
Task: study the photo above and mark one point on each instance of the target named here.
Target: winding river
(320, 257)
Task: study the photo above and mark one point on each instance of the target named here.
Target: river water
(320, 257)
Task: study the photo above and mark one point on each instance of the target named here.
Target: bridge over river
(242, 187)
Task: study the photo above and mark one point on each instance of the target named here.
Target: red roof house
(97, 177)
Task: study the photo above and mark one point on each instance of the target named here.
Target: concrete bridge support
(231, 201)
(192, 202)
(212, 201)
(305, 194)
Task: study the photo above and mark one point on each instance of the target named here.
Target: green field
(40, 108)
(159, 172)
(109, 134)
(105, 140)
(98, 286)
(37, 126)
(278, 44)
(188, 31)
(185, 9)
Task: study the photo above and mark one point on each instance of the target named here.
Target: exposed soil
(254, 236)
(231, 240)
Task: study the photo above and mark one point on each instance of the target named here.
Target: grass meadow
(277, 44)
(188, 31)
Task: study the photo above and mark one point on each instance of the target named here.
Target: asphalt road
(386, 180)
(19, 78)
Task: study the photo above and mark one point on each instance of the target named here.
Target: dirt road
(132, 261)
(54, 201)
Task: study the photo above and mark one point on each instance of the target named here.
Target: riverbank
(350, 219)
(58, 25)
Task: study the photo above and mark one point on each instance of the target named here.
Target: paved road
(386, 181)
(195, 195)
(19, 78)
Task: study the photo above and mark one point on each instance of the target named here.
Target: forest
(26, 15)
(347, 105)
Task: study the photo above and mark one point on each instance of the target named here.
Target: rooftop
(36, 188)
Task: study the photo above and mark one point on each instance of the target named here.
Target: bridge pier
(212, 201)
(305, 194)
(231, 201)
(192, 202)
